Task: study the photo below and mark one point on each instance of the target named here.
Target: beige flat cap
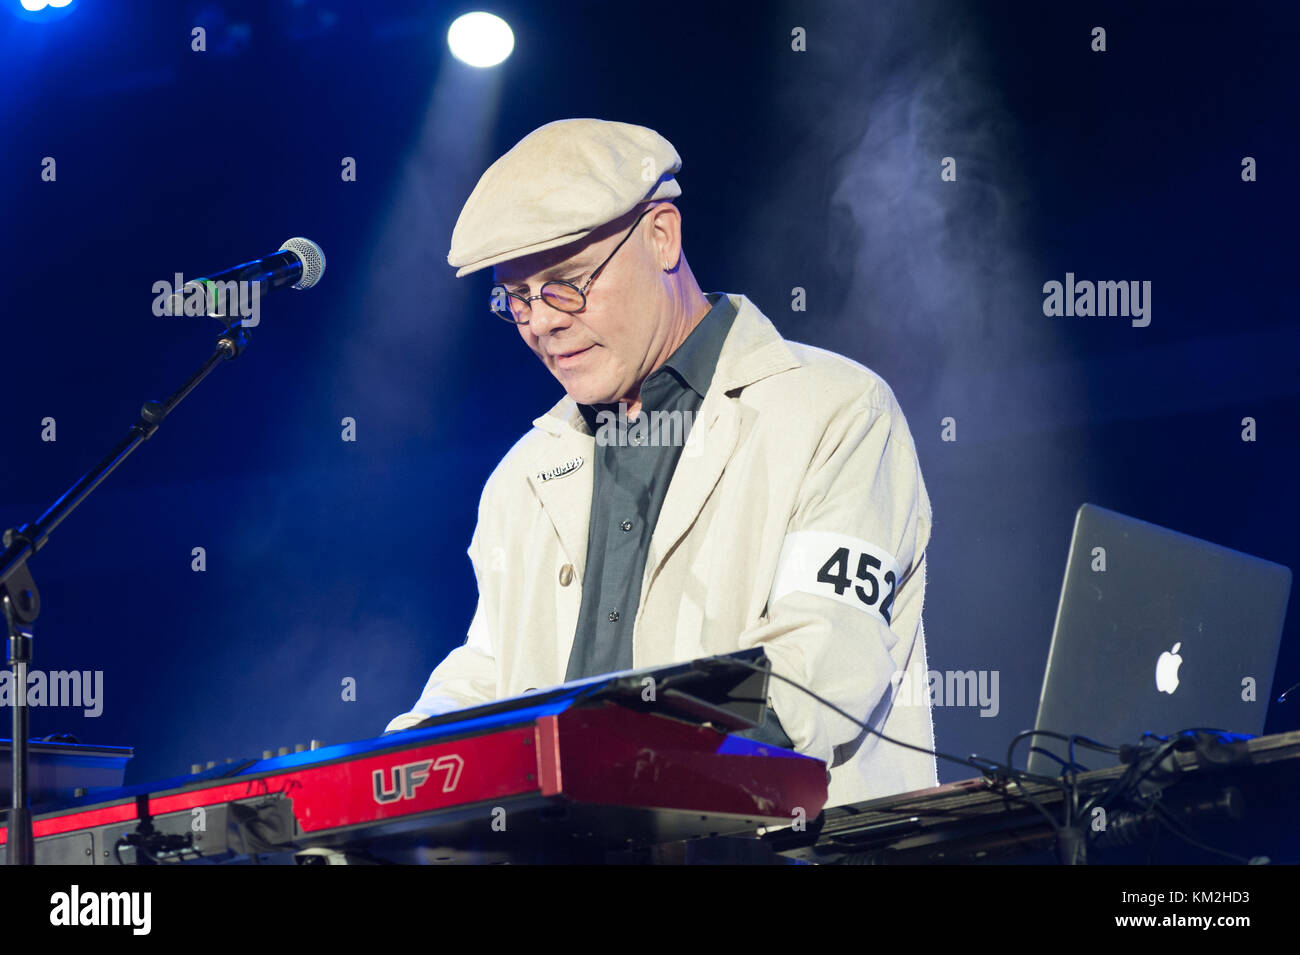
(558, 184)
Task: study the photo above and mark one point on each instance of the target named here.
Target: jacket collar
(754, 350)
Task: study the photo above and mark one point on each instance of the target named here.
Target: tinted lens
(512, 308)
(563, 296)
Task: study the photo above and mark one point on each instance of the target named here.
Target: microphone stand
(21, 600)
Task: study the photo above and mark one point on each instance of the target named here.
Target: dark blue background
(328, 560)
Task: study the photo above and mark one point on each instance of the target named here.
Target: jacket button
(566, 575)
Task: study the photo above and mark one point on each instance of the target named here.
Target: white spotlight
(480, 39)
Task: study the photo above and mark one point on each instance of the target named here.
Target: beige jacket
(796, 520)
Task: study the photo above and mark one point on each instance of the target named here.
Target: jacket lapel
(753, 350)
(712, 442)
(560, 473)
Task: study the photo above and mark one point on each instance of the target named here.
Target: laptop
(1168, 636)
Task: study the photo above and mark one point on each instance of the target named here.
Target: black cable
(875, 732)
(1029, 797)
(1171, 745)
(1084, 741)
(1131, 777)
(1007, 772)
(1050, 755)
(1071, 793)
(1067, 783)
(1130, 780)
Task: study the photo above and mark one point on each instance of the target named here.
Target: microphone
(299, 263)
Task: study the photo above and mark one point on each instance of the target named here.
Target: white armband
(853, 571)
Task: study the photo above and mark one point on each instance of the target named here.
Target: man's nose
(543, 319)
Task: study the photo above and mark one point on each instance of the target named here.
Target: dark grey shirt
(634, 463)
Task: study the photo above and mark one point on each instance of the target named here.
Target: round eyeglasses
(564, 296)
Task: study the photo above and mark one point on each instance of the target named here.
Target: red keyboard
(563, 780)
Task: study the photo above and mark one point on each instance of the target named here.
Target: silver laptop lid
(1157, 631)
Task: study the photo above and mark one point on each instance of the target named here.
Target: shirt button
(626, 525)
(613, 616)
(566, 575)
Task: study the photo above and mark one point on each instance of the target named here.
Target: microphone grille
(313, 260)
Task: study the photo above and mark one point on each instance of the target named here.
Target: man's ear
(666, 234)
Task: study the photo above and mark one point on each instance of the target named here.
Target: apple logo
(1167, 670)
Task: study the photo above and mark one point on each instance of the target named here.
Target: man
(794, 517)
